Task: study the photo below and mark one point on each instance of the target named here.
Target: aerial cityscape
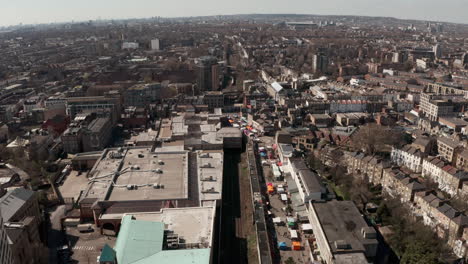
(249, 138)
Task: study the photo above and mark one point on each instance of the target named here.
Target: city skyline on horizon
(54, 11)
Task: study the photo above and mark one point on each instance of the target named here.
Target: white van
(85, 228)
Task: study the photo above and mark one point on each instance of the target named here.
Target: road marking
(88, 248)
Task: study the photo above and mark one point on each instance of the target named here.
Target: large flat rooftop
(102, 174)
(194, 224)
(138, 174)
(342, 222)
(142, 169)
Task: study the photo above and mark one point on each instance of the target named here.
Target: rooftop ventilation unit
(208, 165)
(342, 244)
(210, 178)
(172, 241)
(115, 155)
(368, 232)
(210, 190)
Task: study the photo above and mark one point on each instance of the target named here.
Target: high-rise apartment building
(320, 63)
(437, 51)
(155, 44)
(395, 57)
(208, 74)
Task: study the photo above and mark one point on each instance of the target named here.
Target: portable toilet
(282, 246)
(296, 245)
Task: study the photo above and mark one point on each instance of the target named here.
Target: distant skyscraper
(319, 63)
(314, 63)
(437, 49)
(396, 57)
(155, 44)
(208, 74)
(465, 59)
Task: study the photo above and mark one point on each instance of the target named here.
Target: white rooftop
(210, 175)
(139, 174)
(194, 224)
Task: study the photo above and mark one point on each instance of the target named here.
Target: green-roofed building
(107, 255)
(142, 242)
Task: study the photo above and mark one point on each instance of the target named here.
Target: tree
(373, 138)
(5, 154)
(418, 252)
(339, 176)
(313, 162)
(414, 242)
(336, 157)
(383, 213)
(360, 192)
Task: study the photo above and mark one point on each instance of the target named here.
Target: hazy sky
(40, 11)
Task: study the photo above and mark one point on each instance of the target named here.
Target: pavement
(86, 247)
(283, 234)
(73, 185)
(266, 141)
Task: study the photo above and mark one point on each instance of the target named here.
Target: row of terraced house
(404, 185)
